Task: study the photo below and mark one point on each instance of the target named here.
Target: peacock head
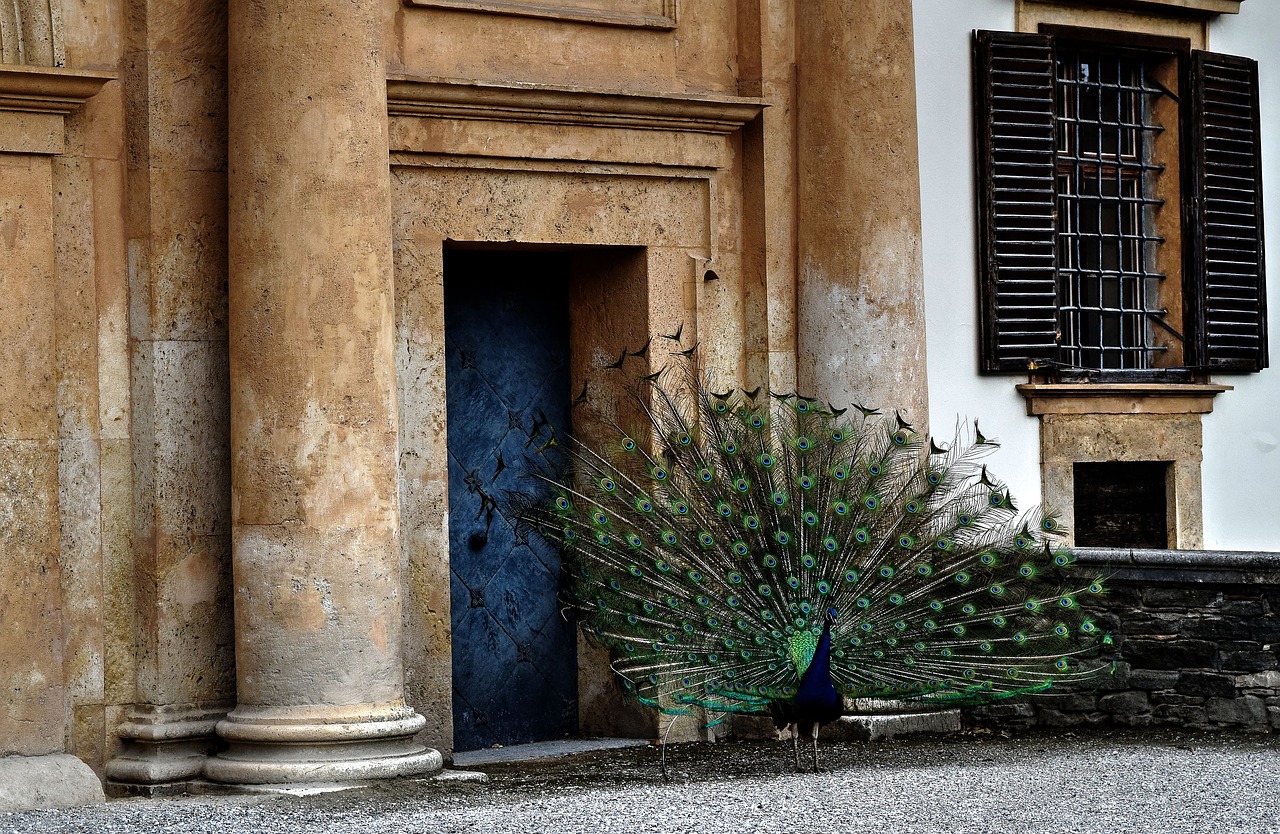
(830, 617)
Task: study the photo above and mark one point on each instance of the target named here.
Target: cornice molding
(655, 14)
(25, 89)
(442, 98)
(1120, 398)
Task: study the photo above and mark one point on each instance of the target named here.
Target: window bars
(1109, 285)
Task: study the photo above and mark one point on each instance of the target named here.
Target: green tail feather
(703, 548)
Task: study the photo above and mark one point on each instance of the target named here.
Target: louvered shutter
(1228, 294)
(1015, 138)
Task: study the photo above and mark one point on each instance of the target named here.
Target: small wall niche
(1122, 504)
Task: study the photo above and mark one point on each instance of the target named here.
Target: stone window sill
(1197, 8)
(1119, 398)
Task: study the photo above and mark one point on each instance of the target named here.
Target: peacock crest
(729, 539)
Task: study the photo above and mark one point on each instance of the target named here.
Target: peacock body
(759, 552)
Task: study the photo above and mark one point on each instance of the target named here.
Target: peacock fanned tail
(704, 547)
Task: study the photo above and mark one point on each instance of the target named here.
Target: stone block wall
(1196, 644)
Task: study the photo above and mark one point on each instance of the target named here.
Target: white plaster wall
(949, 223)
(1241, 470)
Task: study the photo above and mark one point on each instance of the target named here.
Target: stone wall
(1196, 644)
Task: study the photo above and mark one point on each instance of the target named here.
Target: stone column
(861, 283)
(315, 521)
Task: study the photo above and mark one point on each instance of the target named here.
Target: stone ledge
(57, 780)
(1192, 566)
(455, 99)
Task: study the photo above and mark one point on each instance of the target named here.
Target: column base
(268, 746)
(163, 746)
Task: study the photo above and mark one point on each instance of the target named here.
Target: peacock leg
(816, 767)
(795, 746)
(666, 777)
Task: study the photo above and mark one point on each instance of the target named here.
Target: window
(1120, 206)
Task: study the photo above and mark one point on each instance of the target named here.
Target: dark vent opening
(1122, 504)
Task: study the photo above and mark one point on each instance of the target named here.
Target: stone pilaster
(315, 521)
(37, 612)
(861, 277)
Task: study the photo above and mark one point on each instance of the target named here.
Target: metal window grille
(1109, 286)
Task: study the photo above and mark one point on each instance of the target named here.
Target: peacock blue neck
(815, 685)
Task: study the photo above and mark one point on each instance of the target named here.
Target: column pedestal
(265, 746)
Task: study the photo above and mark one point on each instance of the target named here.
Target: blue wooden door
(506, 363)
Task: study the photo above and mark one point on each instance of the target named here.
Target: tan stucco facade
(224, 551)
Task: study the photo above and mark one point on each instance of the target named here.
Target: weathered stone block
(1142, 625)
(1180, 599)
(53, 781)
(1124, 703)
(1141, 720)
(1241, 607)
(1153, 679)
(888, 727)
(1216, 628)
(1259, 680)
(1247, 661)
(1248, 709)
(1170, 654)
(1004, 711)
(1175, 699)
(1055, 718)
(1123, 595)
(1076, 702)
(1117, 679)
(1178, 714)
(32, 661)
(1206, 684)
(1272, 598)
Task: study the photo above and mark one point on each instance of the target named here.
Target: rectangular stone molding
(1099, 422)
(648, 14)
(35, 475)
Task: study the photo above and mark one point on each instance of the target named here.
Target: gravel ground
(1078, 782)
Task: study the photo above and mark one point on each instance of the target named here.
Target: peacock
(757, 552)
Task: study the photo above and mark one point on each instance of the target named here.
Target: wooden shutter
(1017, 202)
(1228, 291)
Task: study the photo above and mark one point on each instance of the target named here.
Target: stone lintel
(655, 14)
(1119, 398)
(453, 99)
